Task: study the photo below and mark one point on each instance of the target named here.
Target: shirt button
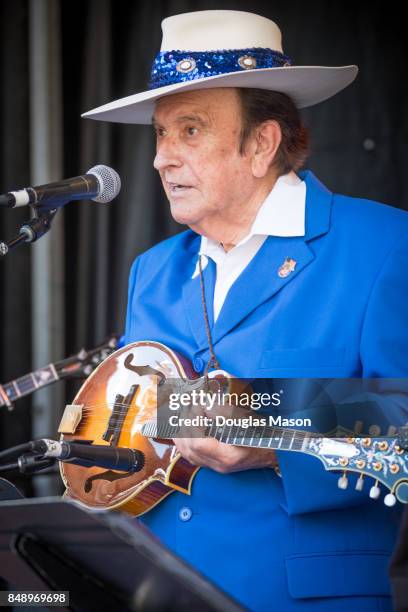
(198, 364)
(185, 513)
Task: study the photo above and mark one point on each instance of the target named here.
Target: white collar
(281, 214)
(283, 211)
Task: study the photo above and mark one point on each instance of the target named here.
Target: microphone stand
(31, 231)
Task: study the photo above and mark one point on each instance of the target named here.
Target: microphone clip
(30, 231)
(29, 463)
(39, 225)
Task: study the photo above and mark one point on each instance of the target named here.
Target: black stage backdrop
(359, 141)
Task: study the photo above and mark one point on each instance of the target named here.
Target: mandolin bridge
(70, 419)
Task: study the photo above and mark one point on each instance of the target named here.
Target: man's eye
(192, 131)
(160, 132)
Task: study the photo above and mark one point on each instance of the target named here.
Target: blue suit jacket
(296, 542)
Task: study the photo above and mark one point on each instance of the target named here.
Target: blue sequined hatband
(170, 67)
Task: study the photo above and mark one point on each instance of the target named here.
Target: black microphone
(87, 454)
(101, 184)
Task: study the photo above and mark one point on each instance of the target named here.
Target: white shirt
(281, 214)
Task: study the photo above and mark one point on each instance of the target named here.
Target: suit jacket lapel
(261, 280)
(193, 305)
(318, 206)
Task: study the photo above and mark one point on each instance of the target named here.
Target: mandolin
(117, 406)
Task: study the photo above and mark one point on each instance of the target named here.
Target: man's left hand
(224, 458)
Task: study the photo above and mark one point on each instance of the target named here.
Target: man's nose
(167, 154)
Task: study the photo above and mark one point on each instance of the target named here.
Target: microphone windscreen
(109, 181)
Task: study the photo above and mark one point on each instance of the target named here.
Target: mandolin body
(114, 403)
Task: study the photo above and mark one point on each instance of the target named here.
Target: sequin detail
(210, 63)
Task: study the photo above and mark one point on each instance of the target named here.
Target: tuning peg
(374, 431)
(390, 500)
(375, 491)
(82, 355)
(360, 483)
(342, 482)
(358, 427)
(87, 370)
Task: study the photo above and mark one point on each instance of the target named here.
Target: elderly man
(298, 282)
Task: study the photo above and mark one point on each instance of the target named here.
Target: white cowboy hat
(207, 49)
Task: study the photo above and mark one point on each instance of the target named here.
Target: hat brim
(306, 85)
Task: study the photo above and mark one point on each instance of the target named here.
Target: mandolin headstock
(383, 459)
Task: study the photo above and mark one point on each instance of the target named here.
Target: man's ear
(268, 137)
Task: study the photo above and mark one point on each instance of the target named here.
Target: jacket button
(198, 364)
(185, 514)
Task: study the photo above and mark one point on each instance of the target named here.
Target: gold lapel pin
(287, 267)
